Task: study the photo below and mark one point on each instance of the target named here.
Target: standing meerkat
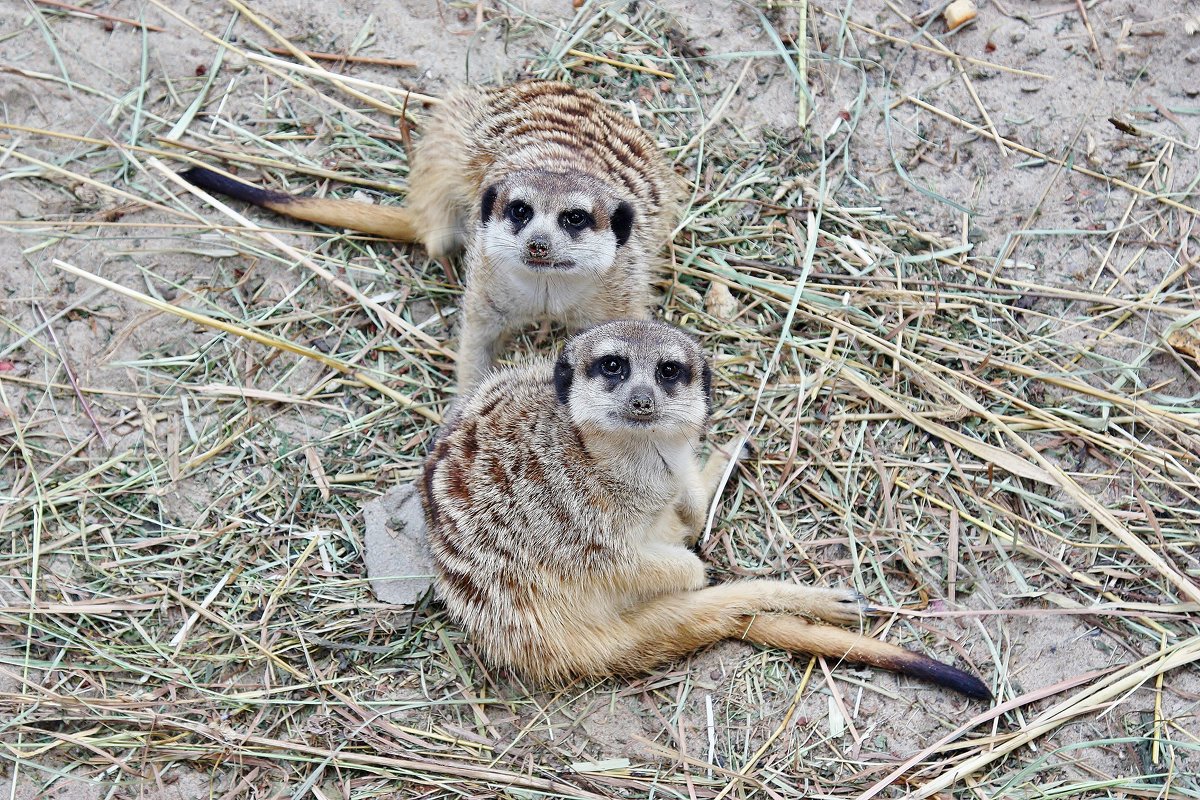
(562, 203)
(561, 504)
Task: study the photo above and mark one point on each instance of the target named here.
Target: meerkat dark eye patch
(489, 202)
(519, 213)
(576, 221)
(671, 373)
(613, 369)
(564, 374)
(622, 222)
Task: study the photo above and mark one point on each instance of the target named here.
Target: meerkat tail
(798, 635)
(390, 222)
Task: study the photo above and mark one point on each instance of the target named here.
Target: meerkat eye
(575, 219)
(670, 371)
(612, 368)
(519, 212)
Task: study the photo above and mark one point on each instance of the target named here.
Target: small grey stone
(396, 551)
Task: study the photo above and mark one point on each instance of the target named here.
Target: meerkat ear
(622, 222)
(564, 373)
(706, 385)
(489, 200)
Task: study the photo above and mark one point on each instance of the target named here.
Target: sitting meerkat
(562, 204)
(561, 505)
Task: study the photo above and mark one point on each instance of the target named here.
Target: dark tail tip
(948, 676)
(211, 181)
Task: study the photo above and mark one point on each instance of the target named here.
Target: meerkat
(561, 506)
(562, 204)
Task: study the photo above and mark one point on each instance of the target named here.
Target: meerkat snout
(539, 248)
(635, 376)
(641, 402)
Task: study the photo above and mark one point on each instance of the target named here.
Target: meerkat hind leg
(668, 627)
(674, 624)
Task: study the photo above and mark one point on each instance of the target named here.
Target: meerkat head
(634, 377)
(541, 221)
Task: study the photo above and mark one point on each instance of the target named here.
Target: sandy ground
(1119, 95)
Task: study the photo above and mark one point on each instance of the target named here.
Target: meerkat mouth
(548, 264)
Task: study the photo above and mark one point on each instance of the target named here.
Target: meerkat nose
(641, 403)
(539, 247)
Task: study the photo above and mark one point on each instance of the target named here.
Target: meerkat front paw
(693, 573)
(737, 449)
(442, 241)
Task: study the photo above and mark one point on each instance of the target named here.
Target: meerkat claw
(748, 449)
(842, 607)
